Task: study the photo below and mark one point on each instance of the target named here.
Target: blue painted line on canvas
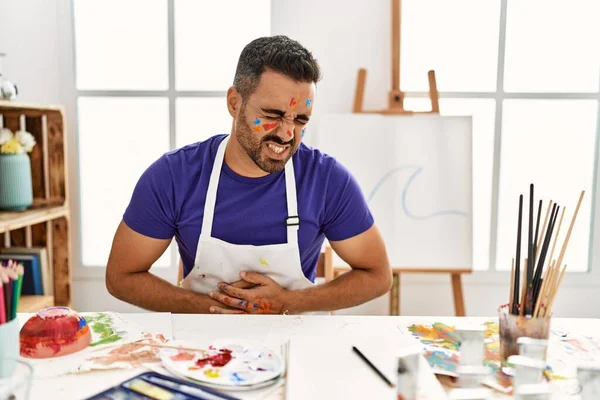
(417, 171)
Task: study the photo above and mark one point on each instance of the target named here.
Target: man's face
(271, 124)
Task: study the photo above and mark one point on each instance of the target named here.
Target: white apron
(219, 261)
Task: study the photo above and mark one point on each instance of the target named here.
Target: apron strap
(211, 192)
(292, 221)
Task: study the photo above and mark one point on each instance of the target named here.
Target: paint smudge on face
(289, 133)
(218, 360)
(257, 125)
(263, 262)
(293, 102)
(308, 101)
(303, 132)
(183, 356)
(269, 126)
(212, 373)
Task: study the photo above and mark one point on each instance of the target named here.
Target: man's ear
(234, 101)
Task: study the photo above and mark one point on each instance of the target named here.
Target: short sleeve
(151, 210)
(347, 213)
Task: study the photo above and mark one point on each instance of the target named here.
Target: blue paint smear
(236, 378)
(417, 171)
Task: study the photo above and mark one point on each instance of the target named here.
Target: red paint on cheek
(269, 126)
(293, 102)
(289, 133)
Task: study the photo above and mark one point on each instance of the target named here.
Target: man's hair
(278, 53)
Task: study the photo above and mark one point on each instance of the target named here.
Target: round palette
(224, 364)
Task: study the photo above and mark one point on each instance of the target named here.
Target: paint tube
(472, 346)
(589, 380)
(534, 348)
(470, 394)
(527, 370)
(408, 376)
(537, 391)
(471, 376)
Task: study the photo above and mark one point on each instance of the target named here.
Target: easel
(396, 107)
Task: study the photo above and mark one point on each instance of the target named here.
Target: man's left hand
(267, 297)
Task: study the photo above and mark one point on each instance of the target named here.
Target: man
(250, 210)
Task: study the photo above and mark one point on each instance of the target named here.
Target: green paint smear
(102, 325)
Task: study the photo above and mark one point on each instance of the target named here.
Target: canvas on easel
(415, 170)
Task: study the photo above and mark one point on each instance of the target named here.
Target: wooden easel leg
(457, 291)
(395, 296)
(359, 94)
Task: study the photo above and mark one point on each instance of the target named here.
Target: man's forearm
(150, 292)
(348, 290)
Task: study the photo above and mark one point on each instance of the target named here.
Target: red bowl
(54, 332)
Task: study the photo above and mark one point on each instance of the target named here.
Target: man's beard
(255, 145)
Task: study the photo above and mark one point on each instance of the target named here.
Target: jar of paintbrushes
(535, 276)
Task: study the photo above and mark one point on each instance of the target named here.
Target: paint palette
(225, 364)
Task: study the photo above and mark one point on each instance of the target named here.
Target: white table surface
(271, 330)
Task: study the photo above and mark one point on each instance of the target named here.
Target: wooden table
(270, 330)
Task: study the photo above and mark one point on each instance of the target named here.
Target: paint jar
(408, 375)
(472, 376)
(472, 345)
(589, 380)
(470, 394)
(9, 347)
(17, 385)
(526, 370)
(538, 391)
(534, 348)
(512, 327)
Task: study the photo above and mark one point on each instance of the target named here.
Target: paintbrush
(544, 251)
(530, 256)
(515, 301)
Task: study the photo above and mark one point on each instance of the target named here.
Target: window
(148, 82)
(534, 96)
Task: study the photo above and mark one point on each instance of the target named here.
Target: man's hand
(262, 295)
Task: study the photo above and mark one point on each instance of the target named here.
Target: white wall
(29, 37)
(30, 34)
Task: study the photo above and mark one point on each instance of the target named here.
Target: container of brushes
(512, 327)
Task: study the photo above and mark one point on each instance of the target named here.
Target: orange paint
(227, 300)
(269, 126)
(257, 128)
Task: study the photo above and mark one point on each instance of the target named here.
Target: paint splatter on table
(442, 351)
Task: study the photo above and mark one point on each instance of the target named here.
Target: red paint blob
(289, 133)
(218, 360)
(293, 102)
(269, 126)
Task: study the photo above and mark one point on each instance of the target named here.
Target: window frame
(70, 94)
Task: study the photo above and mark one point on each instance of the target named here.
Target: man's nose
(286, 133)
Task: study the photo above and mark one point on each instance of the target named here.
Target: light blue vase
(16, 191)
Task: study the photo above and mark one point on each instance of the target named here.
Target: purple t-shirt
(168, 201)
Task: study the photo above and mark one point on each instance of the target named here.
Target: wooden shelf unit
(46, 222)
